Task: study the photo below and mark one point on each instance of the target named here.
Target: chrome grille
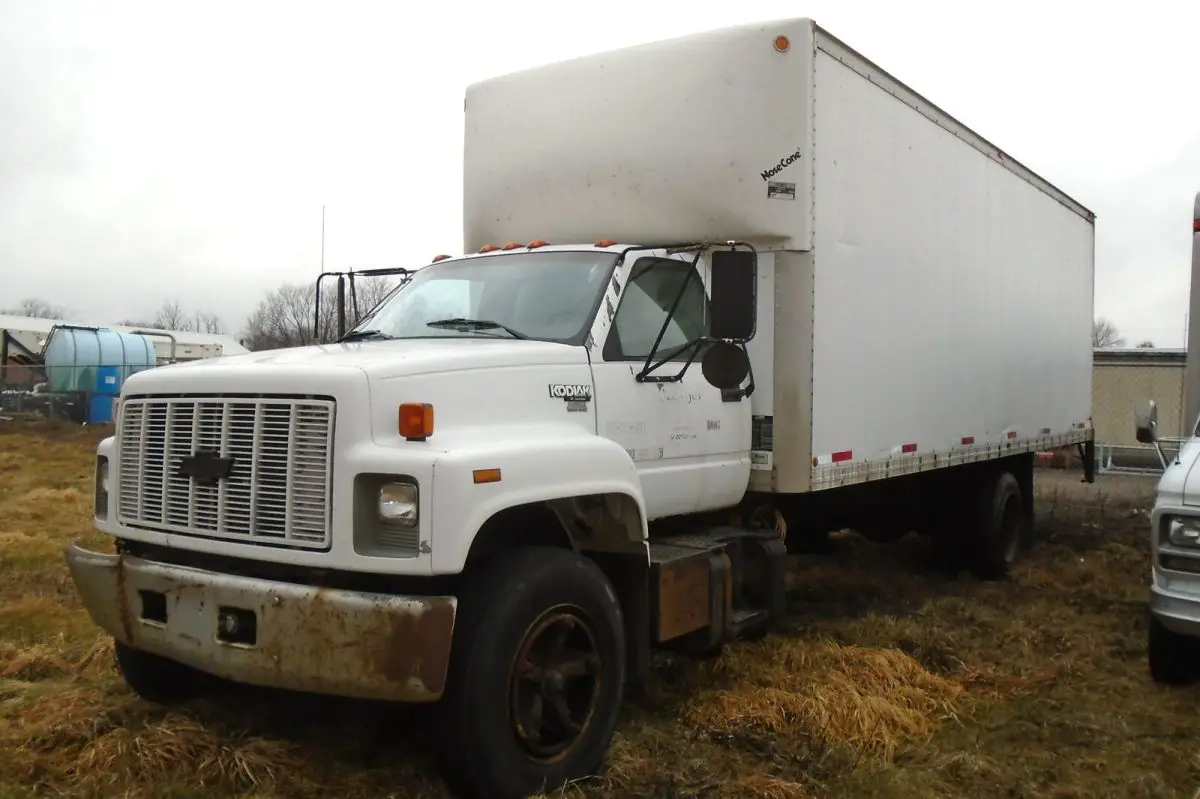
(277, 491)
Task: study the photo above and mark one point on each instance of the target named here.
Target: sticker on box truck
(761, 461)
(777, 190)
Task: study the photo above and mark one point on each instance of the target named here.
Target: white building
(31, 332)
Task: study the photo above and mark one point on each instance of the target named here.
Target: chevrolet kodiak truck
(710, 284)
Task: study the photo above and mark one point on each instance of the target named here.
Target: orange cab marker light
(605, 243)
(488, 248)
(512, 245)
(533, 245)
(782, 44)
(416, 420)
(437, 258)
(486, 476)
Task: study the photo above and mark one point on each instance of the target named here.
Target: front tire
(154, 678)
(536, 675)
(1174, 658)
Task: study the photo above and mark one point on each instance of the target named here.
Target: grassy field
(893, 681)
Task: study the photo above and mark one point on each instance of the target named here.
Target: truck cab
(490, 445)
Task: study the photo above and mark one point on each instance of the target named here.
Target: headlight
(1183, 531)
(398, 504)
(101, 488)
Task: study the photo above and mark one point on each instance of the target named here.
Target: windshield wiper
(475, 324)
(360, 335)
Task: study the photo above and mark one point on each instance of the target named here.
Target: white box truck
(722, 293)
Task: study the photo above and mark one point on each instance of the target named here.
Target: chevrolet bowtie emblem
(205, 467)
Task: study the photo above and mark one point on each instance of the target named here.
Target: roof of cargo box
(672, 141)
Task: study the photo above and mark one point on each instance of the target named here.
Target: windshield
(548, 295)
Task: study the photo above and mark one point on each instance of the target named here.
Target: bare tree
(204, 322)
(39, 309)
(286, 316)
(171, 316)
(371, 291)
(1105, 334)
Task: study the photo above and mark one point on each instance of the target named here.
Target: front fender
(534, 467)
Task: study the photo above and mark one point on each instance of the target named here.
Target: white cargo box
(932, 296)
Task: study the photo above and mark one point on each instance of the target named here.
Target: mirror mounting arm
(738, 394)
(644, 375)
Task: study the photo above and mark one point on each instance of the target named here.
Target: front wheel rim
(555, 683)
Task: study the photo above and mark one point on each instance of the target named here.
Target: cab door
(690, 442)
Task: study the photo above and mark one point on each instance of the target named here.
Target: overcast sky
(170, 149)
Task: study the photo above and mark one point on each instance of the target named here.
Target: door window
(654, 285)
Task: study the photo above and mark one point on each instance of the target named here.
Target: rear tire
(1002, 528)
(154, 678)
(1174, 658)
(539, 635)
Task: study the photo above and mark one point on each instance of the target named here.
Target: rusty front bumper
(263, 632)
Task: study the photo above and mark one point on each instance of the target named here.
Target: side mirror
(1146, 418)
(733, 287)
(725, 365)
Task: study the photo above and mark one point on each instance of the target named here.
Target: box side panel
(840, 51)
(953, 298)
(762, 360)
(704, 137)
(791, 453)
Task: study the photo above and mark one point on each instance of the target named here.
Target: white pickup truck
(784, 295)
(1174, 638)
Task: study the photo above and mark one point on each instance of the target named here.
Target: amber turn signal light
(486, 476)
(416, 420)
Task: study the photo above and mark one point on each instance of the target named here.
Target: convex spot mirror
(733, 284)
(724, 365)
(1146, 419)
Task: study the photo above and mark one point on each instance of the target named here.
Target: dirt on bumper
(345, 643)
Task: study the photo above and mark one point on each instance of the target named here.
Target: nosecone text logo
(783, 164)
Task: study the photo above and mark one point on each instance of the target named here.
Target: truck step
(674, 547)
(745, 623)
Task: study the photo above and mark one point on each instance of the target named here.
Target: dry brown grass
(894, 680)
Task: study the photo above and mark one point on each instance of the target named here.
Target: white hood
(329, 365)
(403, 357)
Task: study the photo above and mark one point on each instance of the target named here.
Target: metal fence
(84, 394)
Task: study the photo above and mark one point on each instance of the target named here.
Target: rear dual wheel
(986, 529)
(1002, 528)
